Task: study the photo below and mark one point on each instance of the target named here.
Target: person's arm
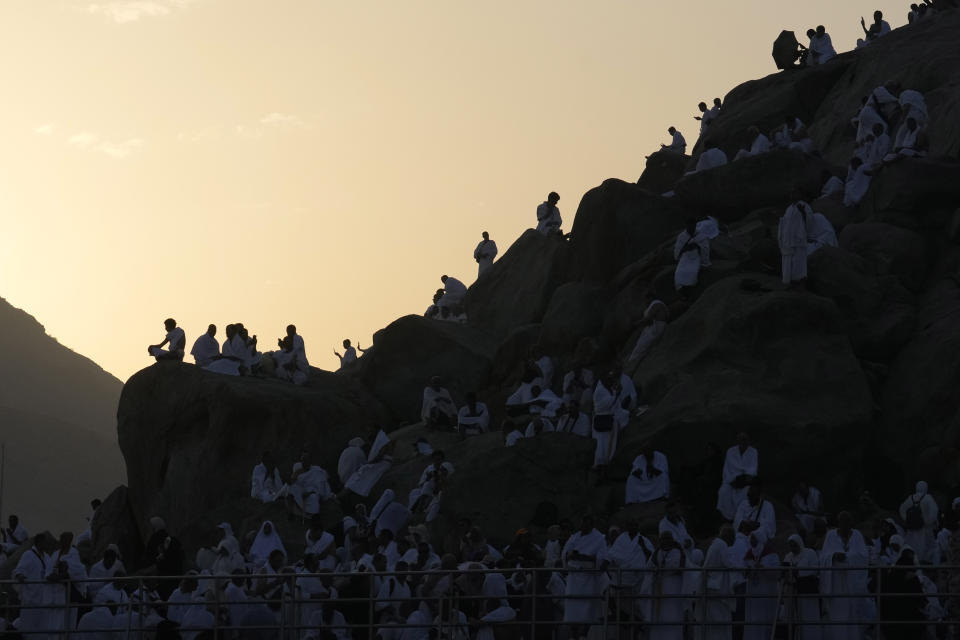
(863, 25)
(336, 353)
(160, 346)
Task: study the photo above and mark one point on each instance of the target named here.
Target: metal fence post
(879, 599)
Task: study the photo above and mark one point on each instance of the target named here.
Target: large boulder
(412, 350)
(663, 170)
(618, 223)
(890, 250)
(917, 193)
(191, 438)
(763, 180)
(778, 364)
(518, 286)
(572, 315)
(115, 523)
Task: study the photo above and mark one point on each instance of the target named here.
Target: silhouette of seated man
(176, 339)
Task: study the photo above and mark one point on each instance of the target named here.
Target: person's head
(703, 107)
(486, 236)
(14, 521)
(921, 488)
(795, 543)
(803, 489)
(291, 330)
(230, 330)
(170, 324)
(821, 30)
(717, 103)
(276, 559)
(212, 330)
(346, 343)
(286, 343)
(553, 197)
(753, 131)
(110, 556)
(877, 129)
(743, 440)
(666, 540)
(443, 278)
(471, 398)
(877, 15)
(267, 528)
(691, 227)
(727, 534)
(912, 124)
(844, 523)
(811, 33)
(671, 130)
(586, 524)
(435, 383)
(754, 494)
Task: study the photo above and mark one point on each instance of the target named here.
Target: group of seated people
(448, 302)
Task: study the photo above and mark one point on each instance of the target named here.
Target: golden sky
(324, 162)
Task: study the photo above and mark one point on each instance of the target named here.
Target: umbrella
(785, 49)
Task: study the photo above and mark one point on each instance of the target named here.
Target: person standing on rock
(920, 516)
(707, 116)
(548, 215)
(484, 254)
(678, 144)
(792, 237)
(739, 470)
(175, 338)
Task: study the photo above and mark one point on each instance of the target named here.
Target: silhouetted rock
(571, 315)
(115, 523)
(890, 250)
(914, 193)
(663, 170)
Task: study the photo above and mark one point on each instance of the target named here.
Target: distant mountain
(58, 422)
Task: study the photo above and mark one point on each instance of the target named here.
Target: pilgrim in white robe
(291, 366)
(678, 531)
(484, 254)
(856, 186)
(548, 218)
(205, 350)
(735, 464)
(643, 485)
(366, 477)
(821, 49)
(691, 254)
(97, 625)
(174, 349)
(832, 187)
(717, 613)
(761, 144)
(806, 599)
(913, 105)
(886, 104)
(352, 458)
(454, 292)
(923, 541)
(437, 401)
(709, 159)
(865, 121)
(629, 557)
(310, 489)
(677, 143)
(762, 586)
(608, 418)
(583, 599)
(100, 575)
(263, 486)
(848, 579)
(577, 423)
(667, 611)
(905, 144)
(578, 386)
(653, 330)
(762, 513)
(265, 543)
(820, 233)
(36, 592)
(792, 238)
(473, 422)
(806, 509)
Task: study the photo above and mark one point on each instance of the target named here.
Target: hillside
(57, 420)
(850, 383)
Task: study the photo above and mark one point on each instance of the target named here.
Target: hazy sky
(324, 162)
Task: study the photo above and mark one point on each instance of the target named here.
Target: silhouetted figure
(176, 340)
(484, 254)
(677, 144)
(821, 47)
(548, 215)
(349, 354)
(297, 341)
(206, 349)
(880, 27)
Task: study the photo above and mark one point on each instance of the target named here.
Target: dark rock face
(412, 350)
(572, 315)
(916, 194)
(663, 170)
(890, 250)
(191, 438)
(115, 523)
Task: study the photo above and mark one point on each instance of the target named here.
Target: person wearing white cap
(351, 459)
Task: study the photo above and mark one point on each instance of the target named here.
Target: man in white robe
(910, 142)
(914, 105)
(573, 420)
(629, 556)
(820, 233)
(880, 27)
(843, 583)
(15, 535)
(206, 349)
(101, 572)
(760, 144)
(717, 614)
(298, 346)
(677, 142)
(438, 408)
(548, 215)
(473, 417)
(739, 470)
(609, 417)
(756, 513)
(667, 611)
(805, 579)
(760, 598)
(585, 556)
(707, 116)
(857, 183)
(310, 488)
(378, 463)
(807, 506)
(352, 458)
(266, 484)
(920, 514)
(454, 292)
(821, 47)
(484, 254)
(291, 365)
(792, 238)
(649, 479)
(578, 385)
(35, 590)
(675, 524)
(691, 251)
(710, 159)
(176, 340)
(349, 354)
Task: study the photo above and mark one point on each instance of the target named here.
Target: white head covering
(386, 498)
(798, 540)
(265, 543)
(921, 490)
(896, 540)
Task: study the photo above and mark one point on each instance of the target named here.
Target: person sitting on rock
(175, 338)
(266, 484)
(739, 470)
(821, 47)
(379, 460)
(832, 185)
(760, 144)
(910, 142)
(578, 385)
(756, 513)
(206, 349)
(511, 434)
(875, 148)
(792, 233)
(433, 311)
(676, 525)
(548, 215)
(880, 27)
(677, 144)
(709, 159)
(352, 458)
(857, 183)
(691, 251)
(438, 409)
(310, 485)
(454, 293)
(789, 132)
(820, 233)
(649, 478)
(474, 417)
(298, 346)
(291, 365)
(349, 354)
(571, 419)
(484, 254)
(807, 504)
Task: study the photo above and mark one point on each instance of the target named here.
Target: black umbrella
(785, 49)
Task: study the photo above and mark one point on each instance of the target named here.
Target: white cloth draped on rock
(648, 486)
(710, 159)
(352, 458)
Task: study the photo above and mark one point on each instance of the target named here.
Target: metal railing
(617, 601)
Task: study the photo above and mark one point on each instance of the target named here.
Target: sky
(323, 162)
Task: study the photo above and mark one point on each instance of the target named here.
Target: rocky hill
(57, 416)
(850, 384)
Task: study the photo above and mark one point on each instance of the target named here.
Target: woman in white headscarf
(919, 512)
(805, 572)
(266, 541)
(763, 583)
